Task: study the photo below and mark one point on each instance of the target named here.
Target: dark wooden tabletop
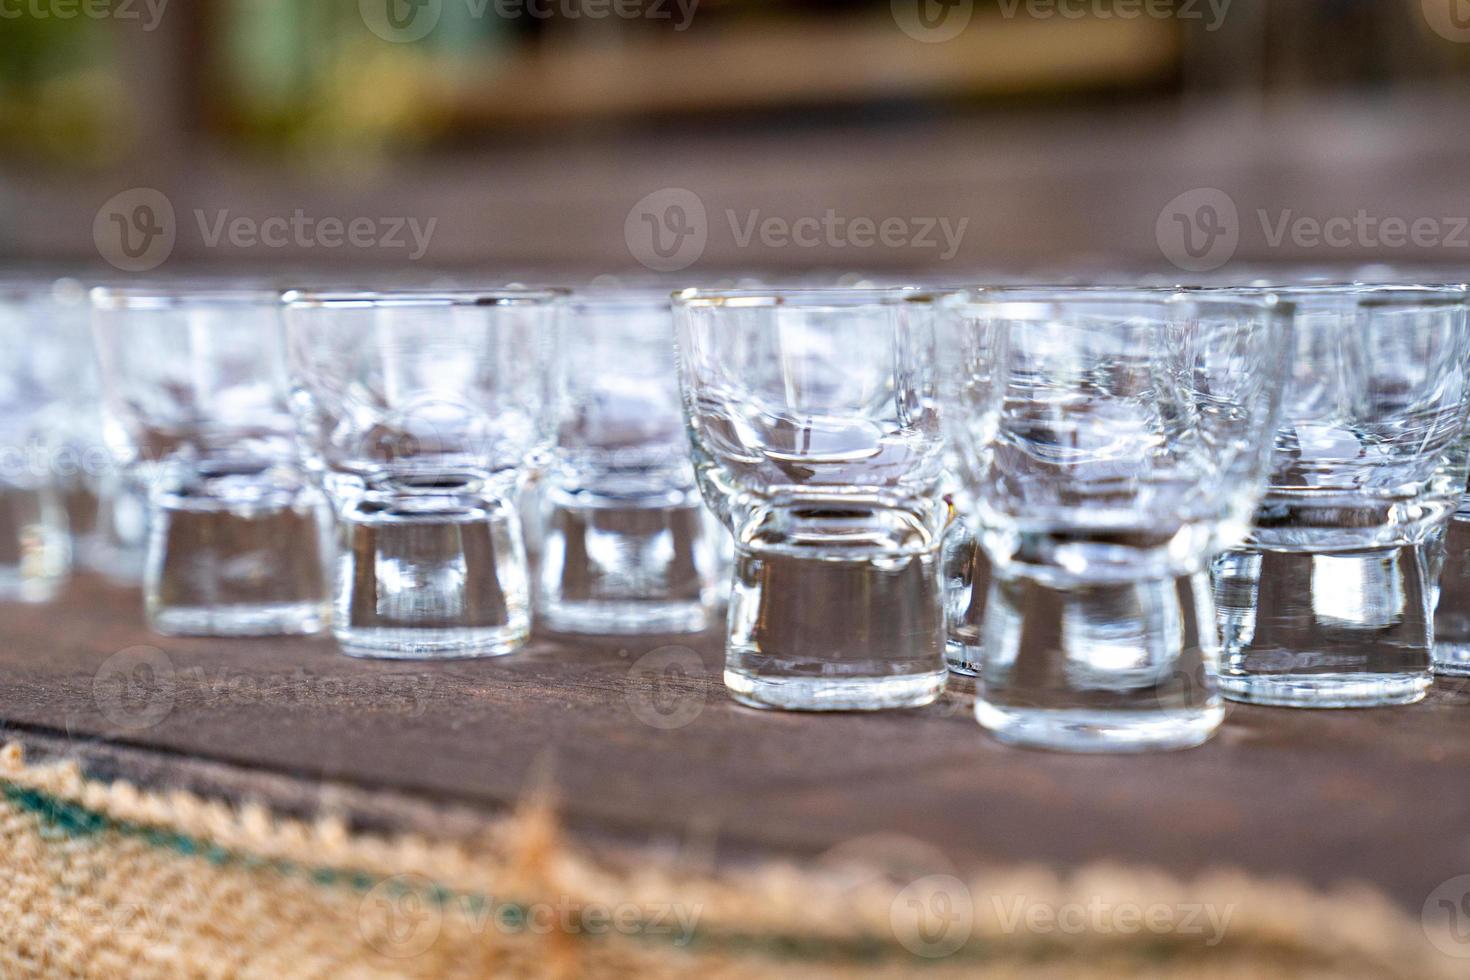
(642, 747)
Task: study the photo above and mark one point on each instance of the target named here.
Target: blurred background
(730, 135)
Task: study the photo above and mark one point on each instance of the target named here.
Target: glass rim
(303, 299)
(596, 298)
(807, 297)
(1368, 293)
(1107, 295)
(161, 297)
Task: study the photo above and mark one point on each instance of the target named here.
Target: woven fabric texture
(105, 880)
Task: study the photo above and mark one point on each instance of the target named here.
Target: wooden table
(1381, 796)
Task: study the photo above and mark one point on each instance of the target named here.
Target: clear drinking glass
(1110, 444)
(816, 439)
(1328, 603)
(422, 413)
(194, 379)
(35, 547)
(627, 544)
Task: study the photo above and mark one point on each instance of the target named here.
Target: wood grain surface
(643, 749)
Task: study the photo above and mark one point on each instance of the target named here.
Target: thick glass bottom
(1115, 667)
(429, 579)
(1346, 690)
(225, 567)
(1452, 659)
(825, 615)
(835, 694)
(245, 619)
(1082, 730)
(630, 618)
(1326, 630)
(432, 644)
(627, 565)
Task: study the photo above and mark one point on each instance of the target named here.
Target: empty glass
(627, 545)
(816, 439)
(421, 413)
(35, 549)
(1329, 601)
(1110, 444)
(195, 389)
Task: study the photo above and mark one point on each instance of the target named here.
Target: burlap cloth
(104, 880)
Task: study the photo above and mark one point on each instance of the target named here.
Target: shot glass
(1111, 443)
(1329, 601)
(35, 547)
(816, 439)
(627, 544)
(195, 388)
(421, 414)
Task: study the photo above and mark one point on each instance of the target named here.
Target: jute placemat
(105, 880)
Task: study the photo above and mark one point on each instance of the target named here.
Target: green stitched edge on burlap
(66, 818)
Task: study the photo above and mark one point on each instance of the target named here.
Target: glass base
(1078, 730)
(962, 658)
(431, 644)
(1451, 653)
(1326, 630)
(266, 619)
(817, 624)
(431, 576)
(627, 565)
(848, 694)
(624, 618)
(1113, 667)
(1362, 690)
(1452, 659)
(35, 544)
